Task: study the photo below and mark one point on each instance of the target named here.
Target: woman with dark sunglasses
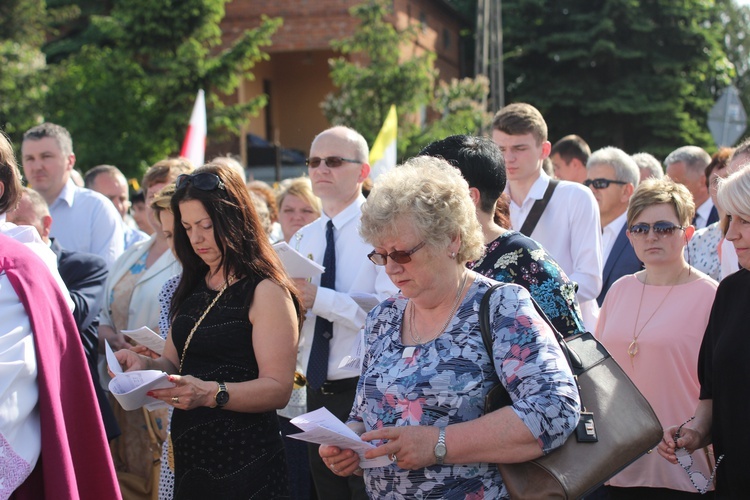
(426, 370)
(232, 344)
(652, 323)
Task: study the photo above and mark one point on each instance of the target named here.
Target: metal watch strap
(440, 448)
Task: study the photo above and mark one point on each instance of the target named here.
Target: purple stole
(75, 462)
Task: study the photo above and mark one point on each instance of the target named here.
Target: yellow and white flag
(383, 151)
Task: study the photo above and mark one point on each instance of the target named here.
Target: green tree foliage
(21, 63)
(640, 75)
(460, 107)
(129, 78)
(374, 75)
(736, 22)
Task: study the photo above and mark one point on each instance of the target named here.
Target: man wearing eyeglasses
(612, 176)
(569, 224)
(337, 302)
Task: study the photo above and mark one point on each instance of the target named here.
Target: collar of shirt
(354, 210)
(610, 233)
(67, 194)
(519, 213)
(703, 211)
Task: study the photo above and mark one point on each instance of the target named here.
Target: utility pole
(489, 51)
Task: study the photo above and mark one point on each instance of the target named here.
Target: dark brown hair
(244, 246)
(9, 176)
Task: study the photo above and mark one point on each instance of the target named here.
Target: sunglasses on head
(397, 256)
(204, 181)
(661, 229)
(601, 183)
(330, 161)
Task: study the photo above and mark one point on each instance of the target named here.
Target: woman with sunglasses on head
(720, 418)
(426, 371)
(130, 302)
(652, 323)
(232, 344)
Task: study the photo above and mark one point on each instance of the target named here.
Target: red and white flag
(194, 146)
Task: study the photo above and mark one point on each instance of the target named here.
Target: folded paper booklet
(130, 388)
(322, 427)
(296, 264)
(146, 337)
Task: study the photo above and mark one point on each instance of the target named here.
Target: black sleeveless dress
(221, 453)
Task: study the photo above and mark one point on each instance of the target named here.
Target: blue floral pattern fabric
(515, 258)
(444, 382)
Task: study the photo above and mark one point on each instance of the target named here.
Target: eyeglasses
(662, 229)
(685, 459)
(203, 181)
(601, 183)
(330, 161)
(398, 256)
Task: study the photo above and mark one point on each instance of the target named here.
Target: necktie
(317, 366)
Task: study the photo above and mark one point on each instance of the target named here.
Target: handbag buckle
(586, 429)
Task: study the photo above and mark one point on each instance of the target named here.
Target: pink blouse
(669, 328)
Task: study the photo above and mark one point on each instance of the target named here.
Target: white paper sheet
(130, 388)
(296, 264)
(147, 338)
(322, 427)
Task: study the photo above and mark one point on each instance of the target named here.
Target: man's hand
(307, 290)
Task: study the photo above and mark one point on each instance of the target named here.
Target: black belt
(331, 387)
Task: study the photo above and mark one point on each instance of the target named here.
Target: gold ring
(175, 400)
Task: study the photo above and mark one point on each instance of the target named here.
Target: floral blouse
(515, 258)
(702, 251)
(444, 382)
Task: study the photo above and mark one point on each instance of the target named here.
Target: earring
(453, 255)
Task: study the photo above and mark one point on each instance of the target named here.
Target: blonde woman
(652, 323)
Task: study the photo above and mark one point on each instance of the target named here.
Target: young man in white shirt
(612, 176)
(569, 226)
(85, 221)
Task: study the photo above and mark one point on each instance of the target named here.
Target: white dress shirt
(20, 434)
(570, 230)
(360, 286)
(86, 221)
(610, 233)
(702, 213)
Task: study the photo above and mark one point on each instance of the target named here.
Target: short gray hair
(646, 161)
(694, 158)
(58, 133)
(625, 168)
(431, 194)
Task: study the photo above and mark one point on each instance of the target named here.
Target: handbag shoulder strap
(484, 327)
(538, 209)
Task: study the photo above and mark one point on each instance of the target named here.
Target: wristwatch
(222, 396)
(440, 449)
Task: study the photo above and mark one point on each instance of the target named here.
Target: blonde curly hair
(431, 194)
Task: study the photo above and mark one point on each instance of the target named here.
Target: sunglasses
(601, 183)
(661, 229)
(397, 256)
(203, 181)
(330, 161)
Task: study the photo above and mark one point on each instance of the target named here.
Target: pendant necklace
(414, 334)
(633, 347)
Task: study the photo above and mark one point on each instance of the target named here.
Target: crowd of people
(651, 256)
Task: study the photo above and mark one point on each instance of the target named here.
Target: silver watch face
(440, 450)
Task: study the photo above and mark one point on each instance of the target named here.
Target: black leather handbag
(616, 427)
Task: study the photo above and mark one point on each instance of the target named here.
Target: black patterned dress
(221, 453)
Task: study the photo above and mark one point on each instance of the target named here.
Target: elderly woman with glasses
(652, 323)
(232, 344)
(720, 418)
(426, 370)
